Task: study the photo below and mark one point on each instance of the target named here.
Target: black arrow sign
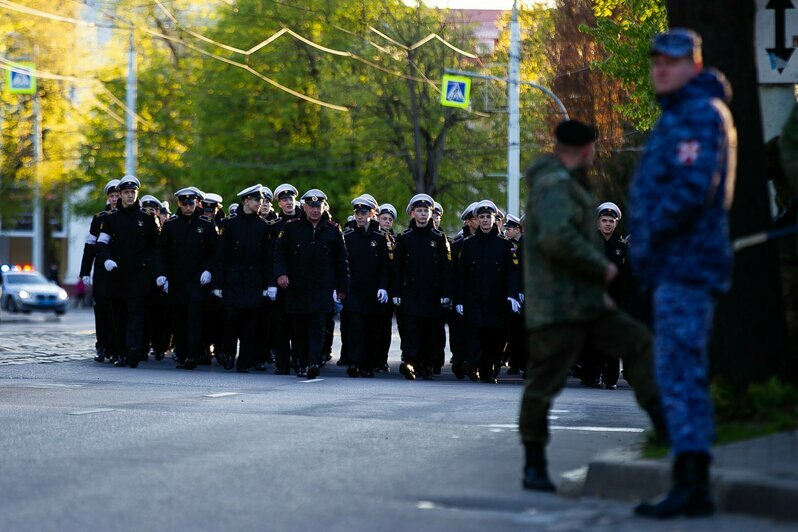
(780, 54)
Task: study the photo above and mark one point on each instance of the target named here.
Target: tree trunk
(749, 340)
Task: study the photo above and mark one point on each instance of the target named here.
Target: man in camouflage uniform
(566, 275)
(680, 198)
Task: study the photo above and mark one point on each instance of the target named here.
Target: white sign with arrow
(775, 40)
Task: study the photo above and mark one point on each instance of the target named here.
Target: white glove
(521, 297)
(265, 293)
(459, 309)
(515, 305)
(109, 265)
(397, 301)
(335, 296)
(217, 293)
(205, 278)
(160, 281)
(86, 280)
(166, 287)
(382, 296)
(446, 302)
(271, 292)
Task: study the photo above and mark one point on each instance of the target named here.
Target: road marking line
(222, 394)
(94, 411)
(598, 429)
(559, 411)
(501, 426)
(311, 380)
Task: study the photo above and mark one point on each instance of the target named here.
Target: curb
(735, 491)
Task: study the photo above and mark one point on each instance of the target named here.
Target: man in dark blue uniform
(457, 332)
(183, 257)
(125, 248)
(367, 251)
(240, 276)
(101, 291)
(382, 345)
(680, 199)
(310, 264)
(421, 287)
(488, 284)
(516, 344)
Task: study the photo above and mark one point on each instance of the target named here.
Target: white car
(26, 291)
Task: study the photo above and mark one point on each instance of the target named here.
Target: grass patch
(762, 409)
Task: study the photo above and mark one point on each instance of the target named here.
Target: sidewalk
(757, 477)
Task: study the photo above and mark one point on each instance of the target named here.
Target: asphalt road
(87, 446)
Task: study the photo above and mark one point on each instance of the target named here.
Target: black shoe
(489, 380)
(271, 357)
(513, 371)
(385, 367)
(133, 359)
(313, 372)
(457, 370)
(144, 357)
(158, 355)
(242, 370)
(369, 374)
(427, 374)
(436, 370)
(408, 371)
(229, 362)
(99, 358)
(301, 373)
(352, 371)
(279, 371)
(190, 363)
(121, 362)
(610, 387)
(343, 362)
(690, 494)
(536, 476)
(179, 364)
(260, 366)
(470, 371)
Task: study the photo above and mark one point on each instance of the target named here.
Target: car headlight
(62, 295)
(23, 294)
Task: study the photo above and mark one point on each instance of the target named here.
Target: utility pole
(131, 146)
(37, 242)
(513, 126)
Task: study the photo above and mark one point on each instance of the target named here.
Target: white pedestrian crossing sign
(21, 80)
(455, 91)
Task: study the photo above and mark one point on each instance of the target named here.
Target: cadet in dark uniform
(240, 276)
(384, 327)
(264, 356)
(440, 356)
(285, 359)
(457, 333)
(212, 316)
(101, 291)
(488, 285)
(421, 287)
(367, 251)
(310, 264)
(183, 257)
(125, 247)
(516, 345)
(157, 331)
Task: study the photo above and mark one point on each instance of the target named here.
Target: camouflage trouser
(683, 321)
(554, 349)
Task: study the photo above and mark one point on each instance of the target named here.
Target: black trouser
(157, 326)
(439, 357)
(517, 342)
(283, 333)
(484, 348)
(309, 335)
(187, 323)
(212, 328)
(345, 356)
(242, 324)
(104, 324)
(420, 338)
(382, 338)
(362, 332)
(128, 318)
(329, 332)
(264, 335)
(457, 337)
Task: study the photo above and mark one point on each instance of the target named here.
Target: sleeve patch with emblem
(688, 152)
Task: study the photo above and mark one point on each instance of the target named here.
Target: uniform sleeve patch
(688, 152)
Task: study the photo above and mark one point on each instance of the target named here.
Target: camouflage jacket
(564, 263)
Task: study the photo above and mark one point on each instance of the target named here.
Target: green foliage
(624, 28)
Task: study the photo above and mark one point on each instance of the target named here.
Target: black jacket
(241, 263)
(128, 238)
(487, 274)
(183, 251)
(315, 261)
(367, 250)
(422, 270)
(617, 251)
(100, 286)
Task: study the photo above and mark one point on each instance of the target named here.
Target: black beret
(575, 133)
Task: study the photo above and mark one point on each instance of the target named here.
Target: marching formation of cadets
(261, 285)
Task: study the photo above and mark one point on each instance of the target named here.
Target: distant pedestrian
(680, 199)
(566, 275)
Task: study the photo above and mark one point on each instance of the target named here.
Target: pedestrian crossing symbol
(20, 80)
(455, 91)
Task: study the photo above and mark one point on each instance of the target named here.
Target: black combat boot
(133, 358)
(100, 355)
(408, 371)
(690, 494)
(536, 476)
